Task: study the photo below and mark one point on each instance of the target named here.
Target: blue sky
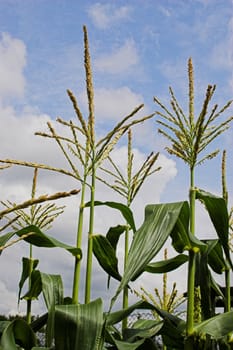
(138, 49)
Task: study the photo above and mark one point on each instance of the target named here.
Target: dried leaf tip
(191, 91)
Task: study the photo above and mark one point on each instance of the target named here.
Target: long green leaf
(52, 288)
(143, 329)
(150, 238)
(18, 332)
(182, 239)
(79, 327)
(218, 326)
(26, 262)
(114, 234)
(168, 265)
(36, 286)
(217, 210)
(215, 256)
(40, 239)
(117, 316)
(5, 238)
(124, 209)
(106, 256)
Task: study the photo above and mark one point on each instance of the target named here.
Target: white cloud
(120, 60)
(8, 300)
(12, 63)
(104, 15)
(113, 104)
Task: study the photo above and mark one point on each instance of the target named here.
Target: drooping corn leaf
(36, 286)
(167, 265)
(173, 325)
(124, 209)
(5, 238)
(217, 210)
(173, 330)
(27, 264)
(159, 222)
(79, 326)
(18, 332)
(203, 279)
(52, 288)
(182, 239)
(114, 234)
(215, 256)
(106, 256)
(39, 322)
(40, 239)
(218, 326)
(117, 316)
(212, 257)
(143, 329)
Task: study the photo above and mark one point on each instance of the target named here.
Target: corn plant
(189, 137)
(127, 185)
(40, 215)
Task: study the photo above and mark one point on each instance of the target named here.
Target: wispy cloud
(12, 63)
(103, 15)
(120, 60)
(165, 11)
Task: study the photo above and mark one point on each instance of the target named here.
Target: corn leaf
(106, 256)
(18, 332)
(79, 326)
(124, 209)
(218, 326)
(40, 239)
(182, 239)
(114, 234)
(5, 238)
(52, 289)
(117, 316)
(217, 210)
(168, 265)
(159, 222)
(215, 256)
(26, 263)
(144, 329)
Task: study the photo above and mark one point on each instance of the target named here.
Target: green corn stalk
(189, 137)
(227, 272)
